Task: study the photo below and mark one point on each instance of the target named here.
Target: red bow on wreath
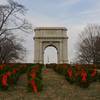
(83, 75)
(4, 80)
(70, 72)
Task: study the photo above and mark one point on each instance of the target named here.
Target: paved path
(55, 88)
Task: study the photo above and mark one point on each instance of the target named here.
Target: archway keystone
(54, 36)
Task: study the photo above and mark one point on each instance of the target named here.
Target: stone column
(61, 53)
(65, 51)
(36, 51)
(40, 52)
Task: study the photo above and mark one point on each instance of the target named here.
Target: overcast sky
(72, 14)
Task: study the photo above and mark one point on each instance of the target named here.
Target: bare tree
(11, 20)
(11, 17)
(89, 45)
(10, 50)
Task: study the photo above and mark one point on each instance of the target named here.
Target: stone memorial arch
(50, 36)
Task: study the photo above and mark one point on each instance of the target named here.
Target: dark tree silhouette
(11, 51)
(12, 19)
(89, 45)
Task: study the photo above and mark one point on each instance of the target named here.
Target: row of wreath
(81, 75)
(78, 74)
(10, 73)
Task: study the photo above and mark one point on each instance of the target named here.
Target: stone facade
(50, 36)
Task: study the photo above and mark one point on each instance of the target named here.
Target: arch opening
(50, 55)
